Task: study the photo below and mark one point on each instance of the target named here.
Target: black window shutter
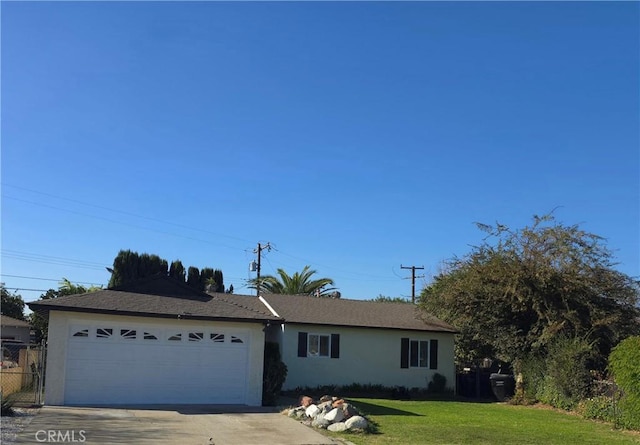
(302, 344)
(404, 352)
(413, 353)
(335, 345)
(433, 358)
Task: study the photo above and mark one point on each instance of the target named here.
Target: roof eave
(343, 325)
(45, 309)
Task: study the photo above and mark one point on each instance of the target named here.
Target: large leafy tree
(12, 304)
(516, 291)
(384, 299)
(40, 324)
(300, 283)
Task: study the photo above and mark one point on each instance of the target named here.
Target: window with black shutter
(335, 345)
(433, 358)
(404, 352)
(415, 353)
(318, 345)
(302, 344)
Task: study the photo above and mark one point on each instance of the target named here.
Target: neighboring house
(14, 329)
(156, 341)
(328, 341)
(159, 341)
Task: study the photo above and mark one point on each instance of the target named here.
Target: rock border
(330, 413)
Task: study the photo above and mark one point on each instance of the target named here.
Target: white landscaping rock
(356, 423)
(337, 427)
(312, 411)
(335, 415)
(349, 410)
(325, 406)
(320, 421)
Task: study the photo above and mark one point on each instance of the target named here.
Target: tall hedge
(129, 266)
(274, 374)
(624, 365)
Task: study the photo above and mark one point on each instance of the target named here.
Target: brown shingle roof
(159, 297)
(343, 312)
(167, 298)
(5, 320)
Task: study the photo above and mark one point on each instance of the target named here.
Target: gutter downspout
(271, 309)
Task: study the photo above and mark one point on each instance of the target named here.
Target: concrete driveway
(201, 425)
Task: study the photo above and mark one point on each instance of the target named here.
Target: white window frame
(317, 339)
(421, 350)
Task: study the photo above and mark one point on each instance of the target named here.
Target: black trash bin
(502, 385)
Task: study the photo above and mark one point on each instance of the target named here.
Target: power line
(274, 271)
(51, 261)
(120, 222)
(369, 277)
(83, 264)
(45, 279)
(11, 251)
(28, 290)
(123, 212)
(413, 280)
(259, 250)
(354, 275)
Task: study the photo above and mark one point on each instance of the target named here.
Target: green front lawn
(435, 422)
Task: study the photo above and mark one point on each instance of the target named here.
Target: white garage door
(109, 364)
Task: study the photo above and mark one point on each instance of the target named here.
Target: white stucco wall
(60, 323)
(366, 356)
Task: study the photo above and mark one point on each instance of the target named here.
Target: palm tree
(66, 287)
(300, 283)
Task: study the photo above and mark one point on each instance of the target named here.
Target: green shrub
(567, 369)
(374, 391)
(552, 394)
(438, 384)
(361, 389)
(624, 365)
(599, 408)
(400, 393)
(274, 374)
(561, 377)
(533, 370)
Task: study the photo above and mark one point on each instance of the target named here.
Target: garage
(148, 364)
(153, 342)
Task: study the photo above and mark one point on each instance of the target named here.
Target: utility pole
(259, 250)
(413, 280)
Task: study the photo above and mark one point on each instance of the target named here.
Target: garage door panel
(115, 369)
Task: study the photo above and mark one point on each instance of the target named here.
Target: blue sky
(355, 137)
